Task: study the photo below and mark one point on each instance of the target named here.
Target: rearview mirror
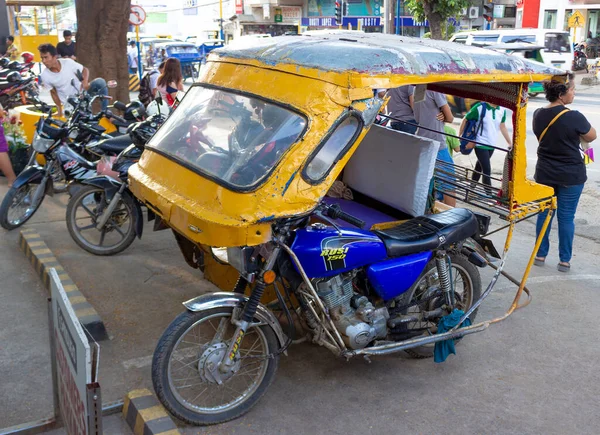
(112, 84)
(79, 75)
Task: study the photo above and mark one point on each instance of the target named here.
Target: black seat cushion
(114, 145)
(426, 233)
(6, 85)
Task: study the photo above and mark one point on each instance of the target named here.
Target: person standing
(5, 164)
(12, 51)
(560, 165)
(170, 81)
(494, 119)
(132, 57)
(59, 75)
(400, 107)
(431, 110)
(66, 49)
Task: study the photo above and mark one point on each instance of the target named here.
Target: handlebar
(117, 118)
(335, 212)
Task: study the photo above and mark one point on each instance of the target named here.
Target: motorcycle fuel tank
(327, 252)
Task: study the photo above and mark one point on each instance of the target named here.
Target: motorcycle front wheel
(18, 206)
(427, 296)
(83, 211)
(186, 374)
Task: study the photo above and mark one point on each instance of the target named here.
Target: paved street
(531, 374)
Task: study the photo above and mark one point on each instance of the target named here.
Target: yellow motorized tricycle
(272, 164)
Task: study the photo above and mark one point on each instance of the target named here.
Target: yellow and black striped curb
(134, 83)
(42, 259)
(146, 416)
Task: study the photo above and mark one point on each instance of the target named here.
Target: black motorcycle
(65, 161)
(580, 58)
(103, 216)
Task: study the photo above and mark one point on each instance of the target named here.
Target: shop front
(271, 19)
(361, 15)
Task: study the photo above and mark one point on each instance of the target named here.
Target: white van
(558, 50)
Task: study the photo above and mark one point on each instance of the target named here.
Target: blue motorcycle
(353, 291)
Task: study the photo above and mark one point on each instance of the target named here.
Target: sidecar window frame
(341, 153)
(235, 188)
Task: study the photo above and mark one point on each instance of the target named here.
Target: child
(5, 165)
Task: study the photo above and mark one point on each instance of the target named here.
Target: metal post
(398, 18)
(139, 52)
(35, 21)
(221, 19)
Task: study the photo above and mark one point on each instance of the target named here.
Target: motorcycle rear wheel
(17, 199)
(79, 209)
(187, 355)
(467, 289)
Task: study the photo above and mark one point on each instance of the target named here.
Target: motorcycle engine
(354, 316)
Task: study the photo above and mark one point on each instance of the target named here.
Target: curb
(42, 259)
(146, 416)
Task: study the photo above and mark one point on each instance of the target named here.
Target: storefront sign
(291, 14)
(498, 11)
(73, 362)
(330, 22)
(359, 8)
(278, 17)
(190, 7)
(410, 22)
(266, 11)
(239, 7)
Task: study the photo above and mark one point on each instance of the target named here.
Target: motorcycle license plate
(557, 65)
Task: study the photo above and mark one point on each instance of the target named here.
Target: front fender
(138, 217)
(234, 300)
(108, 184)
(31, 174)
(34, 175)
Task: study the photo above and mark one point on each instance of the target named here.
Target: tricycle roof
(384, 61)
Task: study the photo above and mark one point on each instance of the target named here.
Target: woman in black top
(560, 164)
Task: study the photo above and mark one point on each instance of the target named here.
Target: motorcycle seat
(427, 233)
(114, 145)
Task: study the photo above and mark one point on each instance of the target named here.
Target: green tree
(436, 12)
(102, 41)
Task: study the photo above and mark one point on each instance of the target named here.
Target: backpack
(145, 92)
(473, 128)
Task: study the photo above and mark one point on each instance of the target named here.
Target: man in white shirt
(59, 74)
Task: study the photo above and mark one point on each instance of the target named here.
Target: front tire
(85, 206)
(184, 355)
(17, 206)
(467, 289)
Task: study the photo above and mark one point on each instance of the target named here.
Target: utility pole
(388, 20)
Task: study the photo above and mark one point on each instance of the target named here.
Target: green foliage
(424, 10)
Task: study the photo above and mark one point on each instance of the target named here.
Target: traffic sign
(576, 19)
(137, 16)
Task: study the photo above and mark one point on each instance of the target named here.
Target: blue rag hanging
(444, 348)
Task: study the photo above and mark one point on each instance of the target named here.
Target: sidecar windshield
(234, 139)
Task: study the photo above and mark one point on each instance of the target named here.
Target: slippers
(563, 267)
(539, 261)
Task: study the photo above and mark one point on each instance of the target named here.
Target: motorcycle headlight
(41, 144)
(74, 133)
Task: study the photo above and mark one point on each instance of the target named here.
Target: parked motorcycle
(64, 161)
(103, 217)
(580, 58)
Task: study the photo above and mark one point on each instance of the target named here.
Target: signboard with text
(358, 8)
(330, 21)
(239, 7)
(73, 361)
(291, 14)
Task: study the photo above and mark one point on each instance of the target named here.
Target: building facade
(554, 14)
